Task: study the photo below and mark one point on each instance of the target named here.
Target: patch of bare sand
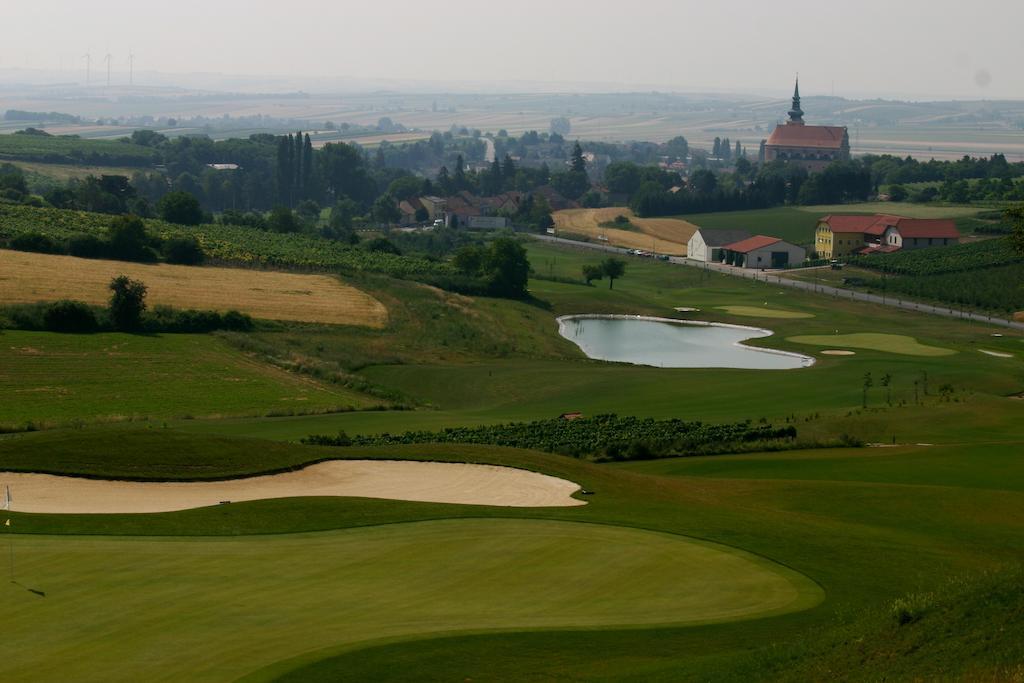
(838, 352)
(431, 482)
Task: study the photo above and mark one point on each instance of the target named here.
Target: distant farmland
(662, 235)
(27, 278)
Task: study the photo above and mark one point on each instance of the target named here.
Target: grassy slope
(535, 383)
(867, 526)
(57, 378)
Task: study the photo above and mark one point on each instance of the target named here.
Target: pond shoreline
(756, 333)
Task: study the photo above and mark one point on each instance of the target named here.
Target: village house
(838, 237)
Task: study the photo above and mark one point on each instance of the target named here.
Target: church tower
(796, 114)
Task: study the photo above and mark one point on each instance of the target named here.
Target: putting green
(890, 343)
(758, 312)
(215, 609)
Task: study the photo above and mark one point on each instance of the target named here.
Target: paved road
(770, 278)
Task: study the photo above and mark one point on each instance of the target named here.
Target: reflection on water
(674, 345)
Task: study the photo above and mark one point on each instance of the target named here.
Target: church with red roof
(813, 147)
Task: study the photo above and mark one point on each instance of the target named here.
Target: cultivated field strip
(28, 278)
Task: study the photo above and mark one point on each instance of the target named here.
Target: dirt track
(433, 482)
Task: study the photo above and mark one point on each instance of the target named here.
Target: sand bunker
(838, 352)
(431, 482)
(997, 354)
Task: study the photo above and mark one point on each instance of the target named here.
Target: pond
(667, 343)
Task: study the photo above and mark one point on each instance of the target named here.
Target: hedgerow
(600, 437)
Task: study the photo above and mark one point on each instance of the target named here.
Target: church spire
(796, 114)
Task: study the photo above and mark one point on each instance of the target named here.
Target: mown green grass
(888, 343)
(50, 379)
(303, 592)
(866, 525)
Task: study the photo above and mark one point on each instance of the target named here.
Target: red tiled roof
(828, 137)
(927, 227)
(908, 227)
(752, 243)
(869, 225)
(876, 249)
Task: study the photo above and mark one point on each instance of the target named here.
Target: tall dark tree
(738, 153)
(297, 167)
(579, 164)
(307, 165)
(444, 181)
(716, 149)
(508, 171)
(284, 169)
(459, 178)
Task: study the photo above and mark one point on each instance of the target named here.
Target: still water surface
(674, 345)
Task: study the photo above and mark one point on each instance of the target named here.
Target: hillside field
(830, 560)
(27, 277)
(660, 235)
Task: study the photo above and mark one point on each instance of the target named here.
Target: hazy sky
(909, 48)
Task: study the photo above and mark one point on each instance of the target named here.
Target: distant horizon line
(343, 84)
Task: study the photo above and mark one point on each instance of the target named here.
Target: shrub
(183, 250)
(69, 316)
(37, 242)
(87, 246)
(236, 321)
(381, 245)
(129, 240)
(181, 208)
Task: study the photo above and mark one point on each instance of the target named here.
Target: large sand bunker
(431, 482)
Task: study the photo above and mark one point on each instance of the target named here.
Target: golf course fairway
(216, 609)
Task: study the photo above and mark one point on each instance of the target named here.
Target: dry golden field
(27, 278)
(662, 235)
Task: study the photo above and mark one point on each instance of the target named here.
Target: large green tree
(613, 269)
(127, 302)
(506, 268)
(180, 207)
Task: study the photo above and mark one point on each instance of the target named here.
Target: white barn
(706, 245)
(761, 251)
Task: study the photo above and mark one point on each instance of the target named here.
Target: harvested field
(429, 482)
(28, 277)
(663, 235)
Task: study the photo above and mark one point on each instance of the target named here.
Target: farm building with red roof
(762, 251)
(813, 147)
(840, 236)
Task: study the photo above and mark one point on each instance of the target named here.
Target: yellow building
(837, 237)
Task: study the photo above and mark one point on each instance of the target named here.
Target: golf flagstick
(10, 538)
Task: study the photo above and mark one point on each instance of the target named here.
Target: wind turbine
(107, 60)
(88, 65)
